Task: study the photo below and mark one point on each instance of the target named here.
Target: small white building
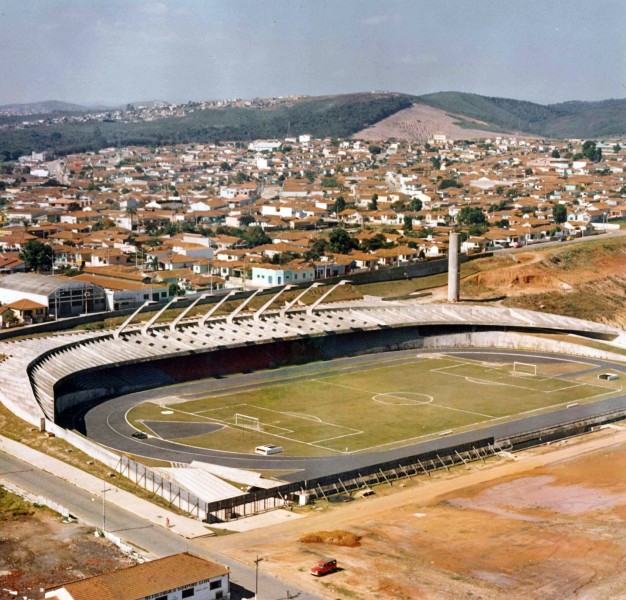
(268, 275)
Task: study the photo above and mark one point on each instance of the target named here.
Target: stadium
(354, 393)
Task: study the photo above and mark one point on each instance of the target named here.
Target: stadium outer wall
(94, 385)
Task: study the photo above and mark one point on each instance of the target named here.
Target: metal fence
(349, 481)
(153, 482)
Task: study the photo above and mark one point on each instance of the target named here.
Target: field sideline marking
(513, 385)
(469, 412)
(276, 381)
(326, 423)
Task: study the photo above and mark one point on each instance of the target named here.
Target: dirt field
(38, 550)
(549, 524)
(419, 123)
(582, 280)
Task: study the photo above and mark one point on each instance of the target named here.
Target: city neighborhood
(108, 231)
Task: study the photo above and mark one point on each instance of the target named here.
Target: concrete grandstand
(47, 380)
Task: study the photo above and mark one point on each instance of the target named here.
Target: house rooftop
(145, 580)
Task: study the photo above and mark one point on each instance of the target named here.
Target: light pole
(256, 578)
(104, 491)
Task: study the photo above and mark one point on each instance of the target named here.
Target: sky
(114, 51)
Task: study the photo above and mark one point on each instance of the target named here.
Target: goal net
(247, 422)
(521, 368)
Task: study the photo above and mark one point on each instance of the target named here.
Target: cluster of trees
(37, 255)
(591, 151)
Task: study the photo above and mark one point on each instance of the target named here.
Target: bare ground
(420, 122)
(39, 550)
(548, 525)
(587, 281)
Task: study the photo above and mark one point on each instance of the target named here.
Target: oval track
(106, 423)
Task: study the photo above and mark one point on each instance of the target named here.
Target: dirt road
(549, 520)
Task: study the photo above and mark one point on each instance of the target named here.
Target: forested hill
(335, 116)
(566, 120)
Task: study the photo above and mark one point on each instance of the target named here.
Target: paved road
(140, 533)
(533, 246)
(106, 423)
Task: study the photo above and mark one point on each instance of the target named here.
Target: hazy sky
(118, 51)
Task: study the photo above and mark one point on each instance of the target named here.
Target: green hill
(323, 116)
(335, 116)
(569, 119)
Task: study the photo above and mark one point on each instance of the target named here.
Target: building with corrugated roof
(62, 296)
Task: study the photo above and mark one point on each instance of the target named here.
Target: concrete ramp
(201, 483)
(237, 475)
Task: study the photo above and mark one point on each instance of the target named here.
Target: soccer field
(377, 406)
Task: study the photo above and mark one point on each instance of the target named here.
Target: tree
(477, 229)
(616, 148)
(9, 317)
(317, 250)
(471, 215)
(340, 205)
(424, 232)
(375, 149)
(528, 171)
(374, 243)
(436, 163)
(591, 151)
(408, 224)
(255, 236)
(330, 182)
(176, 290)
(373, 205)
(37, 256)
(246, 220)
(415, 204)
(555, 154)
(448, 183)
(340, 241)
(559, 213)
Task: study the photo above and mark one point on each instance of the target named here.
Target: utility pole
(256, 578)
(104, 491)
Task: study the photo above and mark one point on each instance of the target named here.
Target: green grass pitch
(381, 406)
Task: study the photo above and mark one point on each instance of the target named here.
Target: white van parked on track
(267, 449)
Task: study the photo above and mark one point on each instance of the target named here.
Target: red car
(324, 566)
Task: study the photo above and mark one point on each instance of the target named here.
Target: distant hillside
(335, 116)
(569, 119)
(42, 108)
(461, 115)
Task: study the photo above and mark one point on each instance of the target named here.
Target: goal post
(522, 368)
(247, 422)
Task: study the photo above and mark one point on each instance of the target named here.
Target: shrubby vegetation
(334, 116)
